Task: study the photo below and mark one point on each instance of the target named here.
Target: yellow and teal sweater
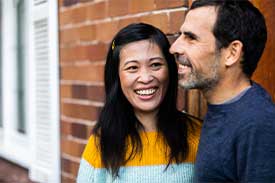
(147, 167)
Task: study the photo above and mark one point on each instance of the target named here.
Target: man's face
(195, 48)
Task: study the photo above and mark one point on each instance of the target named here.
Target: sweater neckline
(224, 106)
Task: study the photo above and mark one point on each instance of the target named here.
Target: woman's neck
(148, 120)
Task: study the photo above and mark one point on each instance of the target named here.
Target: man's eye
(190, 37)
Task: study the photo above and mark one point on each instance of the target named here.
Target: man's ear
(234, 52)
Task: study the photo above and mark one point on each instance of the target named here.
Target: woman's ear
(234, 53)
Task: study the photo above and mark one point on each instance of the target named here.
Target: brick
(136, 6)
(162, 4)
(86, 33)
(65, 17)
(68, 36)
(176, 20)
(79, 130)
(68, 54)
(74, 168)
(13, 173)
(65, 91)
(79, 14)
(83, 73)
(86, 112)
(96, 52)
(60, 3)
(79, 91)
(65, 179)
(66, 128)
(97, 11)
(95, 93)
(118, 7)
(106, 31)
(159, 20)
(65, 165)
(85, 1)
(69, 2)
(71, 147)
(126, 21)
(91, 52)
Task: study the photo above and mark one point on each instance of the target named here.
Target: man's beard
(196, 80)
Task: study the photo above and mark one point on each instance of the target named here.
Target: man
(218, 50)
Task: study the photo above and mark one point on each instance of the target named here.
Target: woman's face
(143, 74)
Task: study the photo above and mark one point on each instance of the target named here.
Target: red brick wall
(265, 71)
(86, 28)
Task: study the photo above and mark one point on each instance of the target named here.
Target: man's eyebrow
(190, 34)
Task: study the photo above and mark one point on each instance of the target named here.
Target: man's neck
(226, 90)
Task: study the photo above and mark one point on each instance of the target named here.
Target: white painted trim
(38, 173)
(17, 151)
(14, 145)
(54, 74)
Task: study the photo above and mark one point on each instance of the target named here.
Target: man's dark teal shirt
(238, 140)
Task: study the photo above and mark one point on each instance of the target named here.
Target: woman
(140, 135)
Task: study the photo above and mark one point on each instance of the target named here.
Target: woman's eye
(156, 65)
(131, 68)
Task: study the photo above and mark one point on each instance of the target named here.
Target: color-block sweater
(146, 168)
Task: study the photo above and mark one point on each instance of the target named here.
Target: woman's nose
(145, 76)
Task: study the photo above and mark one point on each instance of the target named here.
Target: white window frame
(15, 146)
(12, 142)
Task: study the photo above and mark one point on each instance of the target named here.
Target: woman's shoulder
(92, 153)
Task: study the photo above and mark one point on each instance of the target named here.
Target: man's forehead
(200, 18)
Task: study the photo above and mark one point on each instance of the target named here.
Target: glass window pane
(21, 127)
(1, 122)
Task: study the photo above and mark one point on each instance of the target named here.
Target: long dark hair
(117, 121)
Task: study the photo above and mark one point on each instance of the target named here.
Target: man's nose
(176, 46)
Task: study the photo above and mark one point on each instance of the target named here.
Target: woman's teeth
(146, 92)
